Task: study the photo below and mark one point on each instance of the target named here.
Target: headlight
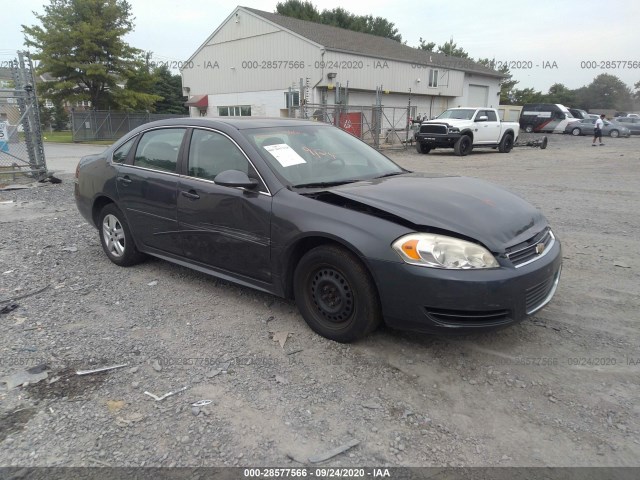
(439, 251)
(454, 130)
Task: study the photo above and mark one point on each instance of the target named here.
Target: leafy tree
(637, 90)
(426, 46)
(81, 44)
(606, 92)
(451, 48)
(339, 17)
(298, 9)
(559, 93)
(526, 95)
(169, 87)
(59, 116)
(138, 93)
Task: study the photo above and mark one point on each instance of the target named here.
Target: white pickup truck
(466, 128)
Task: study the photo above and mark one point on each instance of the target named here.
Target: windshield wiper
(324, 184)
(392, 174)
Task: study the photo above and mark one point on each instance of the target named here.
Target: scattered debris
(157, 399)
(281, 337)
(295, 351)
(8, 308)
(99, 462)
(214, 373)
(156, 365)
(30, 376)
(152, 284)
(115, 405)
(371, 404)
(321, 457)
(102, 369)
(129, 419)
(7, 300)
(282, 380)
(70, 249)
(296, 459)
(618, 263)
(201, 403)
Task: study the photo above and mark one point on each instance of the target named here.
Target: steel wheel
(528, 128)
(335, 294)
(575, 132)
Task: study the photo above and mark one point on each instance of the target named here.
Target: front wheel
(506, 144)
(421, 148)
(463, 146)
(614, 133)
(116, 239)
(336, 295)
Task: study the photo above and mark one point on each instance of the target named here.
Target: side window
(211, 153)
(158, 149)
(120, 155)
(492, 115)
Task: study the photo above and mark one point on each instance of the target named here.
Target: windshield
(458, 113)
(307, 156)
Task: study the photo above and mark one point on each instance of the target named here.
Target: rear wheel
(576, 131)
(463, 146)
(506, 144)
(614, 133)
(422, 148)
(528, 128)
(336, 295)
(116, 239)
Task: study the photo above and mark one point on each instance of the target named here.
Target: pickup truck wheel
(506, 144)
(528, 128)
(463, 146)
(421, 148)
(575, 132)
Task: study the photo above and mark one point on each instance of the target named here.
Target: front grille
(431, 128)
(532, 249)
(539, 295)
(468, 318)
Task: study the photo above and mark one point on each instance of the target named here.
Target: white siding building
(256, 62)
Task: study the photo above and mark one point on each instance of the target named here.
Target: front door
(223, 227)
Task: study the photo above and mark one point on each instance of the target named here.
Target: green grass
(66, 137)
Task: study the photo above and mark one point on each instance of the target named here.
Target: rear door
(147, 189)
(225, 228)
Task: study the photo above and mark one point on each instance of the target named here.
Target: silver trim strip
(548, 298)
(546, 250)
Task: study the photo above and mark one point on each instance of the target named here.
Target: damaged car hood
(466, 206)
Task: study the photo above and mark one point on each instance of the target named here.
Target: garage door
(478, 96)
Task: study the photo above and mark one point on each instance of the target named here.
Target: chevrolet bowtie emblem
(540, 248)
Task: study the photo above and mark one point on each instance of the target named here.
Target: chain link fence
(109, 124)
(21, 148)
(379, 126)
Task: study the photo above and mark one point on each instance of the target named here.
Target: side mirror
(235, 178)
(483, 118)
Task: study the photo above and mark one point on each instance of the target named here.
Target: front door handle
(126, 180)
(191, 195)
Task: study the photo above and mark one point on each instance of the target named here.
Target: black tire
(336, 295)
(116, 239)
(421, 148)
(463, 146)
(506, 144)
(528, 128)
(576, 131)
(614, 133)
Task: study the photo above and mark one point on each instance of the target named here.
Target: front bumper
(438, 140)
(463, 301)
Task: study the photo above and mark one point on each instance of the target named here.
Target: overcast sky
(534, 34)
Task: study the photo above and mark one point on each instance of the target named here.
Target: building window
(433, 78)
(235, 111)
(292, 99)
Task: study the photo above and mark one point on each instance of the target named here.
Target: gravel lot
(560, 389)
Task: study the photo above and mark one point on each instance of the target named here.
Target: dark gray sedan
(587, 126)
(304, 210)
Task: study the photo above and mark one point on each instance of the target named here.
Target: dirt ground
(560, 389)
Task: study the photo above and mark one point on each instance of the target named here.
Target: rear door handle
(191, 195)
(126, 180)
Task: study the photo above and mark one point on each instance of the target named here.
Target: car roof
(240, 123)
